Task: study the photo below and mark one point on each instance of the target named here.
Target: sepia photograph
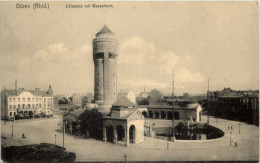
(120, 81)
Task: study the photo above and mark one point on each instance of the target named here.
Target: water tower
(105, 49)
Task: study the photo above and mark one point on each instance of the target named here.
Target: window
(14, 107)
(29, 99)
(23, 105)
(14, 113)
(18, 99)
(10, 99)
(10, 113)
(10, 106)
(29, 105)
(40, 105)
(14, 99)
(36, 105)
(23, 99)
(33, 98)
(36, 98)
(32, 105)
(18, 105)
(40, 99)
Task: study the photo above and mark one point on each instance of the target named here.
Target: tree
(186, 96)
(91, 124)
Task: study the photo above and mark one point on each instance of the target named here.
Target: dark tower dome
(105, 31)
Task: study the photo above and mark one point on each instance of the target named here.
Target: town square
(128, 82)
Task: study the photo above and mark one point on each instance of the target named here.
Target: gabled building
(126, 93)
(124, 124)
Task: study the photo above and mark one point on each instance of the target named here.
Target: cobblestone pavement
(44, 130)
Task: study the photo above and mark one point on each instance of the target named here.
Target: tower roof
(104, 30)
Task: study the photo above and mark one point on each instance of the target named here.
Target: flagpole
(208, 102)
(172, 105)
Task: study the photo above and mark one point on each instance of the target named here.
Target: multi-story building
(237, 105)
(26, 102)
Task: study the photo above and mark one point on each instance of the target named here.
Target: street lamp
(65, 123)
(239, 127)
(55, 138)
(12, 130)
(230, 138)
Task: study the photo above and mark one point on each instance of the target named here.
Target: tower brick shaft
(105, 49)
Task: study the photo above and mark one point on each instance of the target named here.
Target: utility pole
(208, 102)
(173, 105)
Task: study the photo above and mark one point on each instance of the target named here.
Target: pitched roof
(34, 92)
(104, 30)
(126, 116)
(123, 102)
(187, 106)
(124, 91)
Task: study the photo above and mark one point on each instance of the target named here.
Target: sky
(198, 40)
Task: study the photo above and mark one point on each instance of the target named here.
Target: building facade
(105, 51)
(123, 125)
(183, 113)
(125, 93)
(26, 102)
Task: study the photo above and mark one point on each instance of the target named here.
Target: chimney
(15, 84)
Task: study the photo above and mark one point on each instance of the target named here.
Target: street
(44, 130)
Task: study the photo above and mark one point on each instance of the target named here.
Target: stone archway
(176, 115)
(144, 113)
(157, 115)
(120, 133)
(163, 115)
(150, 114)
(110, 133)
(132, 134)
(169, 115)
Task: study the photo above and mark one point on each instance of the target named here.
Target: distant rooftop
(124, 102)
(164, 106)
(124, 91)
(36, 92)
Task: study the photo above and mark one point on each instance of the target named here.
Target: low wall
(156, 123)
